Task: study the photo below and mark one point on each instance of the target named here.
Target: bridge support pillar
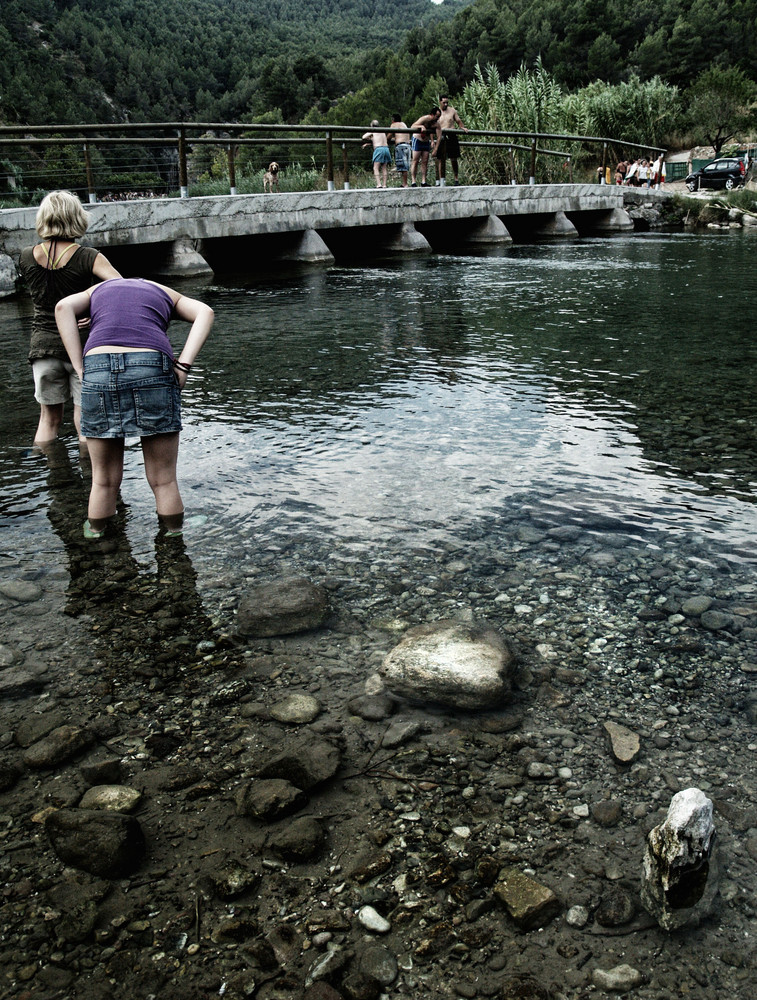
(7, 276)
(612, 220)
(489, 230)
(539, 225)
(310, 249)
(408, 239)
(183, 260)
(558, 225)
(615, 220)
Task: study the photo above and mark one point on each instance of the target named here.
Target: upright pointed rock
(679, 880)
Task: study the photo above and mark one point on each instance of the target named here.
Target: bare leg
(50, 419)
(161, 453)
(77, 423)
(424, 166)
(107, 456)
(414, 165)
(376, 174)
(454, 168)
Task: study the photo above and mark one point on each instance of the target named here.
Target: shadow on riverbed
(147, 620)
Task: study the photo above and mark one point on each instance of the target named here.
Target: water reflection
(598, 378)
(145, 620)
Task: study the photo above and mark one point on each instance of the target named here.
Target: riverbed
(557, 438)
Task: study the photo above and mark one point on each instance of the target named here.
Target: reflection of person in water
(144, 621)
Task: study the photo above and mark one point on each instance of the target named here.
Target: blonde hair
(61, 214)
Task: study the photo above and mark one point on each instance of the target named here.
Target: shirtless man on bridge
(422, 144)
(382, 158)
(447, 146)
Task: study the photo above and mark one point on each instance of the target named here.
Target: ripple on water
(367, 403)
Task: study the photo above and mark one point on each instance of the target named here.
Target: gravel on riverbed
(388, 874)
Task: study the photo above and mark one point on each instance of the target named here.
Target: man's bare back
(447, 147)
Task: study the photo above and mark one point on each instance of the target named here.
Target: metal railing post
(330, 161)
(90, 181)
(183, 184)
(532, 178)
(514, 178)
(603, 178)
(346, 165)
(231, 152)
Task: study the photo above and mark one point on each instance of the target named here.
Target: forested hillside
(288, 60)
(580, 41)
(100, 60)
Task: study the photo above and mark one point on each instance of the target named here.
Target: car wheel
(729, 184)
(691, 185)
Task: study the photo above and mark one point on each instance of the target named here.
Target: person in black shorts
(447, 146)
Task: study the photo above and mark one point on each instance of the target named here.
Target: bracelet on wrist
(182, 366)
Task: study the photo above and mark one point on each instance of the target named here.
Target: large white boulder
(458, 664)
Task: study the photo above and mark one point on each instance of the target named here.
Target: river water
(345, 418)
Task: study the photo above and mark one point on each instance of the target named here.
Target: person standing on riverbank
(131, 387)
(382, 156)
(403, 151)
(447, 146)
(51, 270)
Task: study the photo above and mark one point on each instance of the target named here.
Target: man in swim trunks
(381, 155)
(402, 148)
(422, 144)
(447, 146)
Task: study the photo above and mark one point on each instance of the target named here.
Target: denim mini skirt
(129, 394)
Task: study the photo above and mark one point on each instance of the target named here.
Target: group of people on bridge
(433, 134)
(642, 172)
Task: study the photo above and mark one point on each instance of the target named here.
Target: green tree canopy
(720, 102)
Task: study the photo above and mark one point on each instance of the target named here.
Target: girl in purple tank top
(131, 387)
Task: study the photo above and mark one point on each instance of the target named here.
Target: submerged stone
(102, 843)
(58, 747)
(297, 709)
(305, 762)
(282, 607)
(114, 798)
(624, 743)
(453, 663)
(270, 799)
(528, 902)
(619, 979)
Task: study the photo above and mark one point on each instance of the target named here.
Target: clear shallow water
(607, 383)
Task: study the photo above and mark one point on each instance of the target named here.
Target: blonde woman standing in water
(54, 268)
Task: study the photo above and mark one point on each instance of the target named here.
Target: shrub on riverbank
(720, 208)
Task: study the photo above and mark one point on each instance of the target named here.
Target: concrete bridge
(238, 233)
